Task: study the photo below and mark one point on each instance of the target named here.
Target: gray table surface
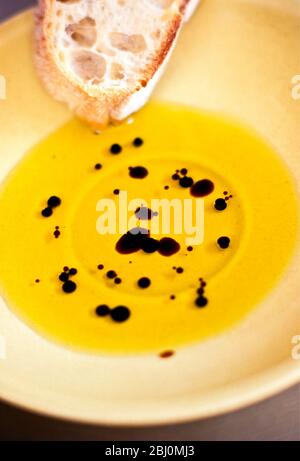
(275, 419)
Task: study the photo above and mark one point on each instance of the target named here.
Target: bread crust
(105, 105)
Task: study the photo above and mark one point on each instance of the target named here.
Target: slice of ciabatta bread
(104, 57)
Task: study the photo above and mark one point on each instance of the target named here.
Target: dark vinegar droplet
(111, 274)
(138, 142)
(202, 188)
(64, 277)
(223, 242)
(102, 311)
(69, 286)
(131, 242)
(138, 172)
(47, 212)
(166, 354)
(168, 246)
(179, 270)
(201, 301)
(120, 314)
(144, 282)
(54, 201)
(115, 149)
(186, 182)
(149, 245)
(220, 204)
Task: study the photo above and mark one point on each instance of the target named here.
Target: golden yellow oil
(260, 219)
